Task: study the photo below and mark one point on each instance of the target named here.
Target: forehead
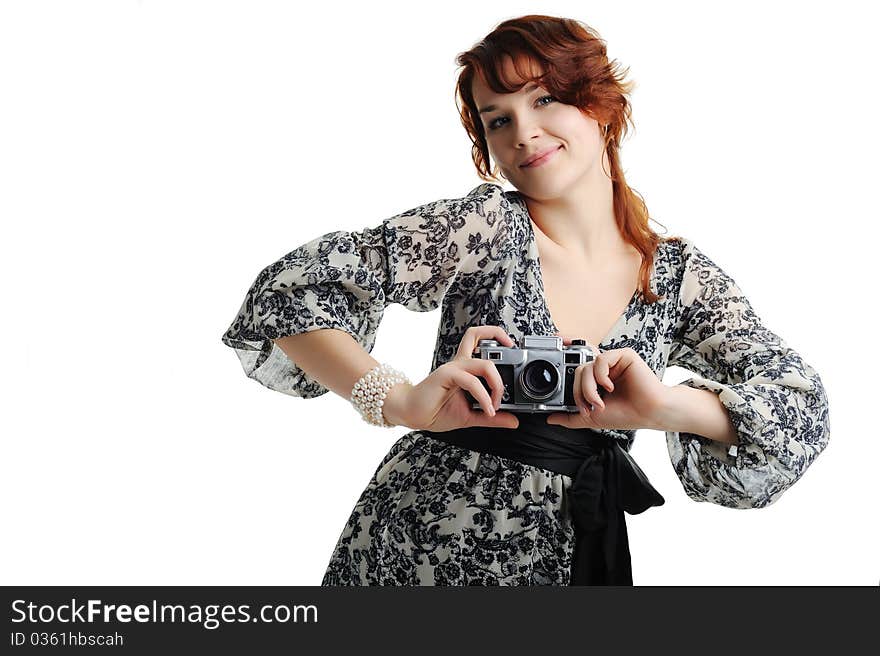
(528, 69)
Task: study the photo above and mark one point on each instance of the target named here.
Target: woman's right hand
(439, 404)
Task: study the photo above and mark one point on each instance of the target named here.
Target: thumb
(500, 420)
(556, 420)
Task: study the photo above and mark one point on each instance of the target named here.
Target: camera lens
(540, 379)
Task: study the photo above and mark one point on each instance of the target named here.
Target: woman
(493, 497)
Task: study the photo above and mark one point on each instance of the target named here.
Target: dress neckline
(539, 277)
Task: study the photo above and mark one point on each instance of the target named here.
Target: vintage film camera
(538, 377)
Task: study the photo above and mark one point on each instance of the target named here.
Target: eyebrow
(492, 108)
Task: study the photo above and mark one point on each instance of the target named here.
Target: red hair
(577, 72)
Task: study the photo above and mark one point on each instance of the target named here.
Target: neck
(580, 225)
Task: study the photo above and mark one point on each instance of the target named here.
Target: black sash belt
(606, 481)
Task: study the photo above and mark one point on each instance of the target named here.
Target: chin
(554, 186)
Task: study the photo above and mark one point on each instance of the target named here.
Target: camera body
(539, 377)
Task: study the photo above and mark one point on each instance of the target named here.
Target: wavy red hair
(577, 72)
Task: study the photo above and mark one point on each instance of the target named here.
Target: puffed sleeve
(776, 401)
(344, 280)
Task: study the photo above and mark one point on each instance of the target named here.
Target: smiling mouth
(543, 159)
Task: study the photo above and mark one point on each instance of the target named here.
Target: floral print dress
(438, 514)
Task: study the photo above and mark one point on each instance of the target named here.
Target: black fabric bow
(605, 485)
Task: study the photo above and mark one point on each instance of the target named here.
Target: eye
(493, 123)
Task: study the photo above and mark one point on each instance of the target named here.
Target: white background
(155, 156)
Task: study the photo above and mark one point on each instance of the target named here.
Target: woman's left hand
(633, 398)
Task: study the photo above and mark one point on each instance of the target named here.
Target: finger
(578, 394)
(474, 334)
(590, 387)
(490, 373)
(487, 370)
(473, 385)
(491, 332)
(616, 357)
(602, 371)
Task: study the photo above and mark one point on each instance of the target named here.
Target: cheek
(581, 129)
(585, 144)
(503, 156)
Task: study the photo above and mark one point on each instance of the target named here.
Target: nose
(526, 132)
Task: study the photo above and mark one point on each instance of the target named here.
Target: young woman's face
(527, 122)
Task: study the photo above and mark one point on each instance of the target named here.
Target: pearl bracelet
(368, 393)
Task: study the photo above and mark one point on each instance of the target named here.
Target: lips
(539, 157)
